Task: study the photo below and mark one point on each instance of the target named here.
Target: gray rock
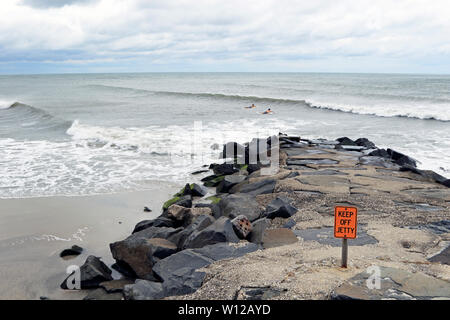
(290, 224)
(194, 190)
(377, 162)
(158, 222)
(101, 294)
(228, 182)
(280, 207)
(257, 293)
(344, 141)
(278, 237)
(326, 236)
(438, 227)
(401, 159)
(220, 251)
(144, 290)
(351, 148)
(395, 284)
(115, 286)
(258, 228)
(427, 174)
(234, 205)
(442, 257)
(200, 223)
(365, 143)
(178, 272)
(303, 162)
(223, 169)
(181, 215)
(135, 253)
(257, 188)
(92, 273)
(220, 231)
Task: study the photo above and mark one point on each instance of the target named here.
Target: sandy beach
(34, 231)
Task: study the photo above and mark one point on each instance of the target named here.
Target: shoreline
(35, 230)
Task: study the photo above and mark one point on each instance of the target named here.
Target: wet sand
(34, 231)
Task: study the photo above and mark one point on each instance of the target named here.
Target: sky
(65, 36)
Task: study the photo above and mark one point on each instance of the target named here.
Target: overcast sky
(55, 36)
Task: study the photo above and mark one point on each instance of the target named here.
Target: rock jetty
(242, 234)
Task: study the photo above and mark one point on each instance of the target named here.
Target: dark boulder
(144, 290)
(222, 251)
(427, 174)
(253, 167)
(442, 257)
(158, 222)
(364, 142)
(280, 207)
(92, 273)
(212, 180)
(228, 182)
(258, 228)
(377, 161)
(178, 274)
(223, 169)
(135, 253)
(193, 190)
(289, 224)
(184, 201)
(344, 141)
(220, 231)
(446, 183)
(234, 205)
(380, 153)
(214, 206)
(201, 222)
(257, 188)
(401, 159)
(73, 251)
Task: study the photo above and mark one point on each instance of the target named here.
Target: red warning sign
(345, 222)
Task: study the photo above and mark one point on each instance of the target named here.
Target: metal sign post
(344, 252)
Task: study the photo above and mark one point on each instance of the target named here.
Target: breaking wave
(409, 108)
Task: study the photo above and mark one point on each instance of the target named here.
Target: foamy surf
(414, 111)
(6, 104)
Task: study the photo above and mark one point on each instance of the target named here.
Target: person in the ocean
(252, 106)
(268, 111)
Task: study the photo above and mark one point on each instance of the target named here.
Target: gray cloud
(53, 3)
(289, 34)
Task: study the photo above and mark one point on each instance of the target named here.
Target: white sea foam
(427, 111)
(6, 104)
(110, 159)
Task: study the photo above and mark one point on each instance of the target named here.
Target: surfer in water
(268, 111)
(251, 107)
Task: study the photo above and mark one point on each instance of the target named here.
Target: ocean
(83, 134)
